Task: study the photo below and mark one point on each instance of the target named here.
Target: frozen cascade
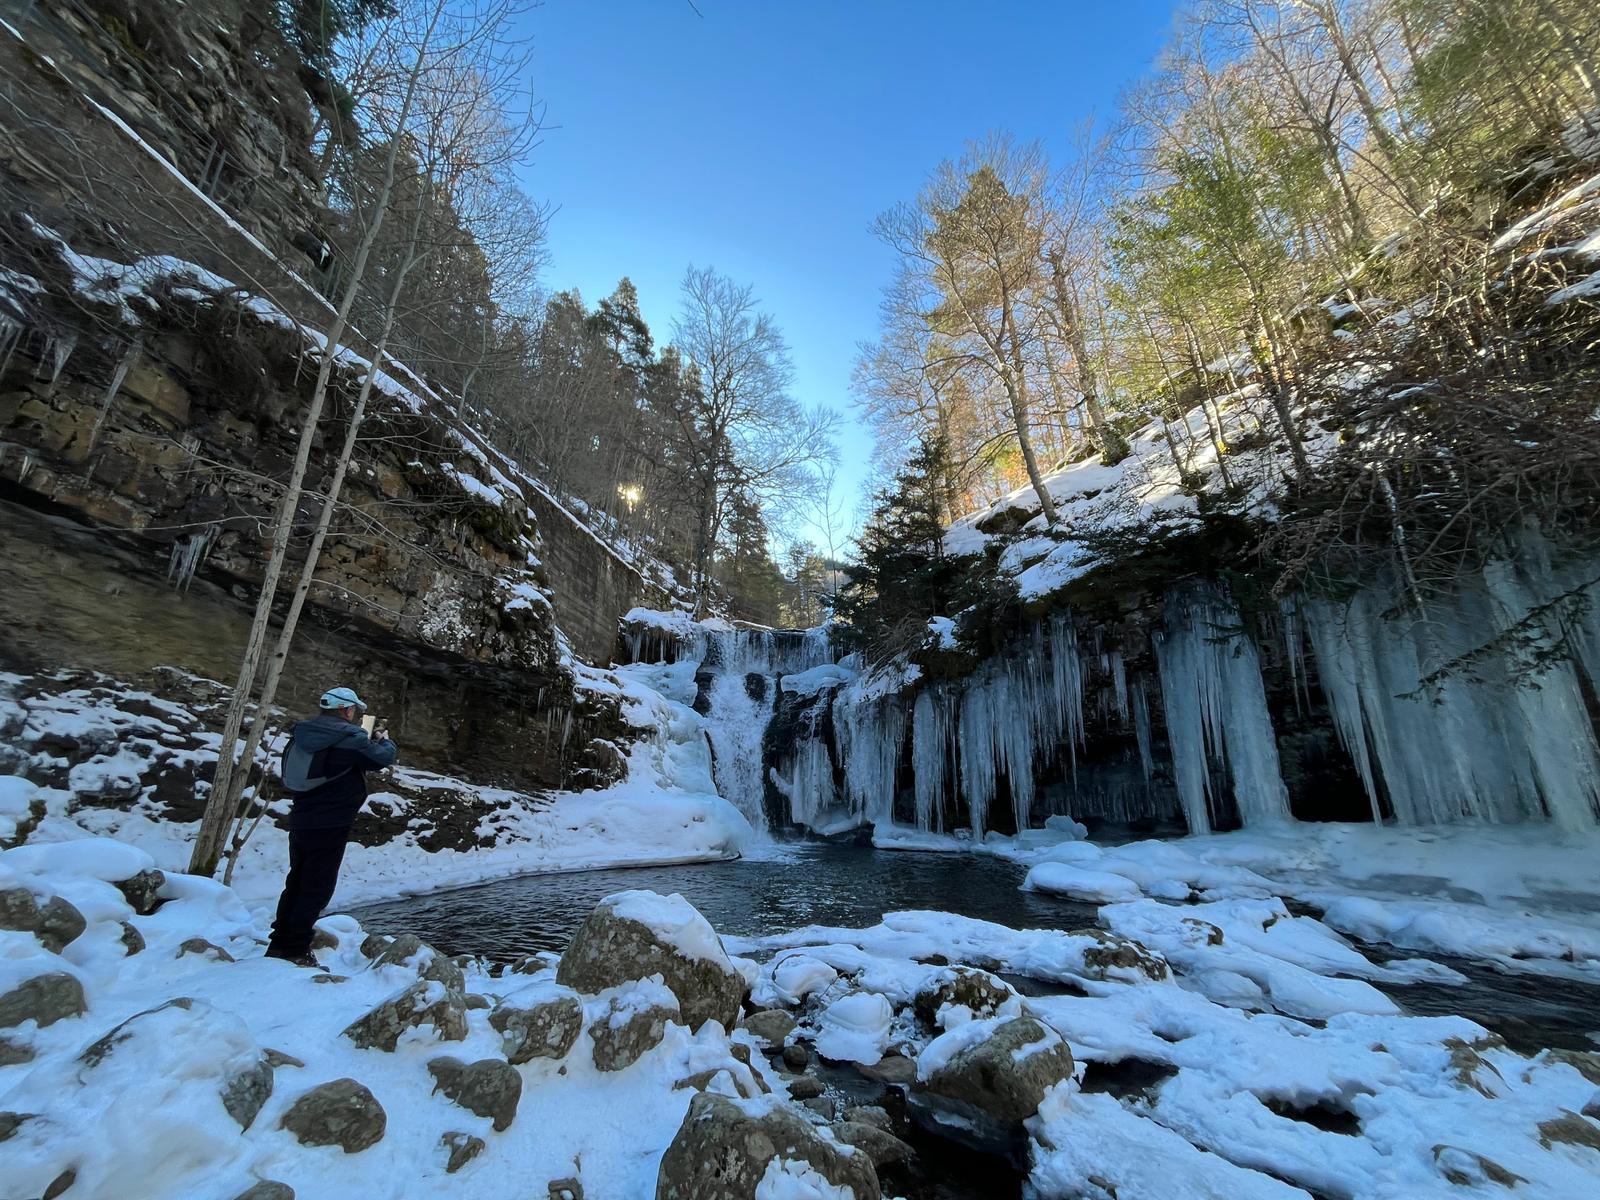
(871, 730)
(1216, 708)
(1011, 714)
(740, 669)
(736, 724)
(1504, 736)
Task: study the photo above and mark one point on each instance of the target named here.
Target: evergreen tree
(902, 575)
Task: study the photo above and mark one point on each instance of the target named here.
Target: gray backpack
(300, 769)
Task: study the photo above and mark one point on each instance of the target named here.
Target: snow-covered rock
(634, 935)
(760, 1150)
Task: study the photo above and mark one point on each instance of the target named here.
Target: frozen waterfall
(1216, 708)
(1476, 708)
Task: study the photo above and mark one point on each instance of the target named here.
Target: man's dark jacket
(340, 753)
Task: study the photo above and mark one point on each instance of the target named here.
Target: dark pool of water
(854, 886)
(802, 884)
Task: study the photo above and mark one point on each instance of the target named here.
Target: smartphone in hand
(369, 724)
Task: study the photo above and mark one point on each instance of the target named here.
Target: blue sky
(762, 137)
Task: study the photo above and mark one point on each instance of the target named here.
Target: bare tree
(742, 432)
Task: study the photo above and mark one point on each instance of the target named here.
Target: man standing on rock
(324, 769)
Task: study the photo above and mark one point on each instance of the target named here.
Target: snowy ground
(147, 1118)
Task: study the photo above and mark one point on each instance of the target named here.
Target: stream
(787, 885)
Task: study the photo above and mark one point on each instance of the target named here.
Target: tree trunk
(216, 819)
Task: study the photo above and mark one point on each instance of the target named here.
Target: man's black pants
(314, 858)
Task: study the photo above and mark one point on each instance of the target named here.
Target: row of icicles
(1508, 739)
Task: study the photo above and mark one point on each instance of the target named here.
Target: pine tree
(902, 575)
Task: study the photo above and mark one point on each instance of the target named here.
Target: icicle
(1216, 708)
(187, 553)
(1119, 683)
(1141, 732)
(58, 351)
(930, 755)
(1498, 736)
(124, 364)
(1294, 650)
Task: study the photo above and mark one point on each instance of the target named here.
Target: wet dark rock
(267, 1189)
(565, 1189)
(244, 1093)
(609, 950)
(142, 890)
(894, 1069)
(629, 1029)
(880, 1145)
(796, 1056)
(199, 945)
(339, 1113)
(821, 1105)
(978, 990)
(490, 1087)
(545, 1028)
(869, 1114)
(44, 998)
(721, 1152)
(803, 1087)
(423, 1003)
(462, 1148)
(770, 1026)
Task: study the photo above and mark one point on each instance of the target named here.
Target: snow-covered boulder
(979, 993)
(742, 1149)
(999, 1068)
(542, 1020)
(166, 1093)
(630, 1021)
(426, 1002)
(490, 1087)
(634, 935)
(855, 1028)
(55, 922)
(796, 976)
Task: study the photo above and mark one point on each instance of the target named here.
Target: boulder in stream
(986, 1077)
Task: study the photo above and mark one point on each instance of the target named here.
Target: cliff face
(156, 356)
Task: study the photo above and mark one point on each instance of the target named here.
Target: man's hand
(380, 735)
